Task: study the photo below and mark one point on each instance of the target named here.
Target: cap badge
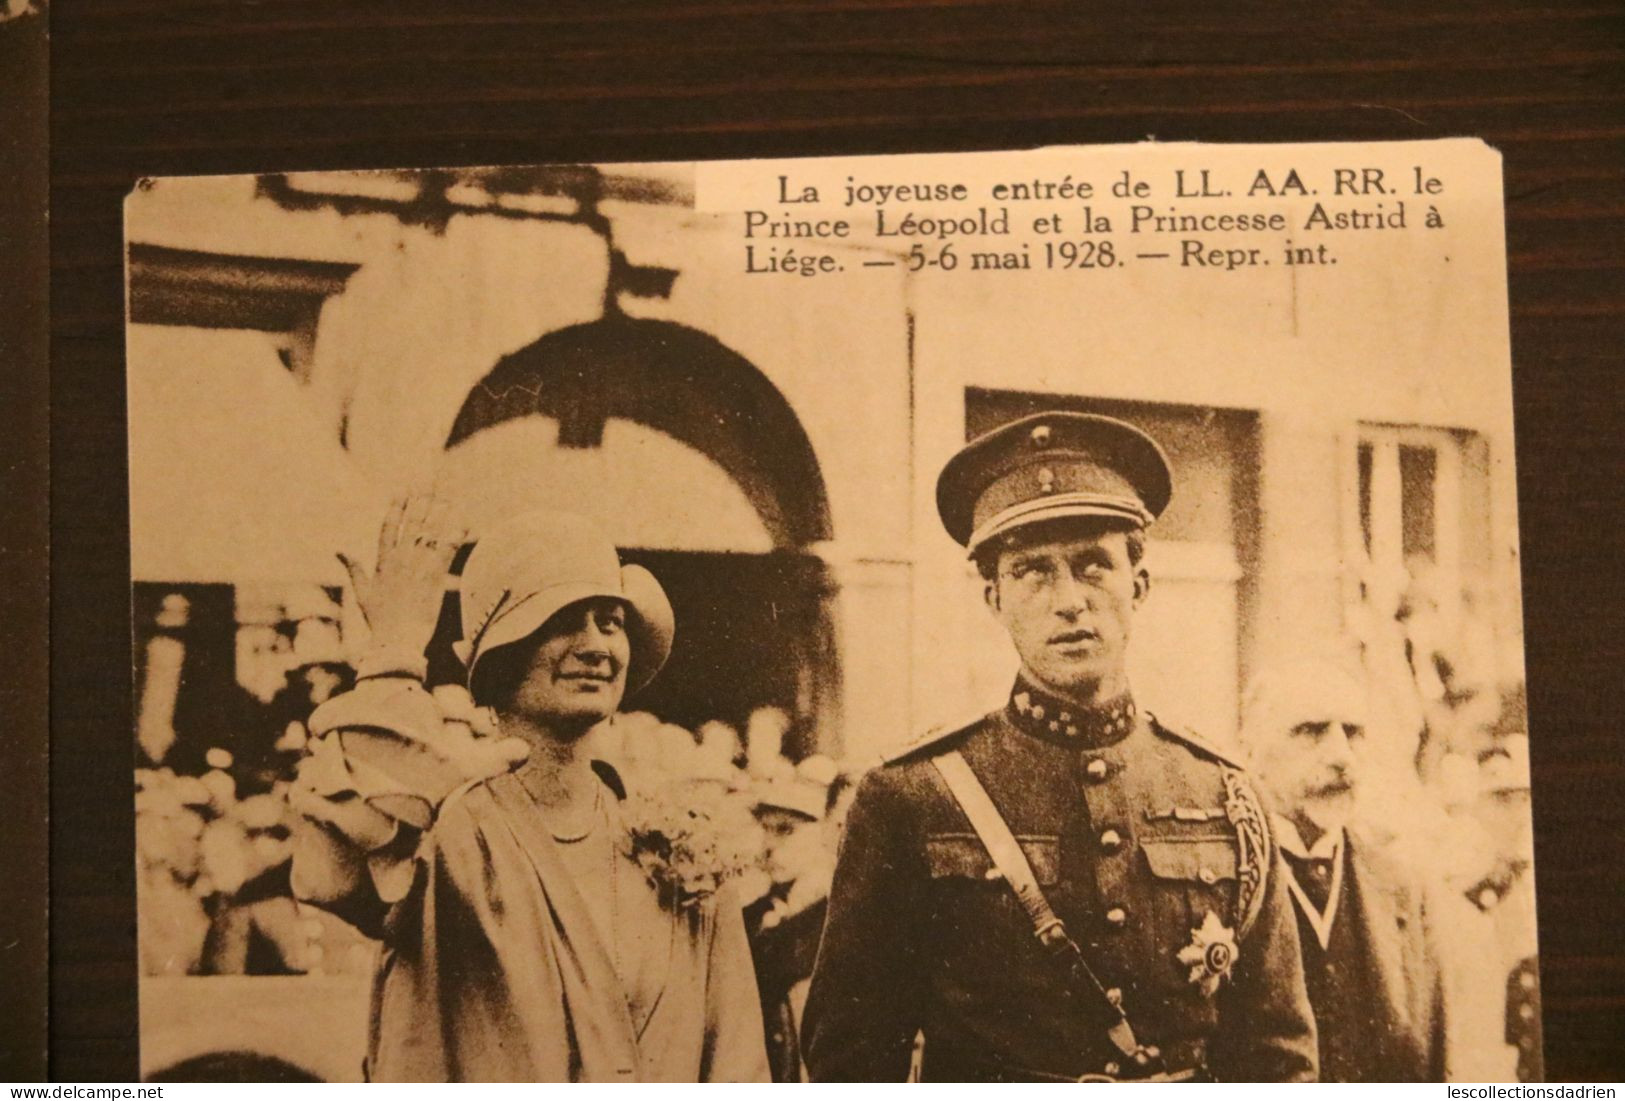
(1046, 480)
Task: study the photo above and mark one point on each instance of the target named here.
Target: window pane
(1364, 461)
(1418, 468)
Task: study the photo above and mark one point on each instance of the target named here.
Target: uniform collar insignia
(1044, 715)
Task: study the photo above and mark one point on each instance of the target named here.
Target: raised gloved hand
(401, 597)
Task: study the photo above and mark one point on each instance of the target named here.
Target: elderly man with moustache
(1366, 924)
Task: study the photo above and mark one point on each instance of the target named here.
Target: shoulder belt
(1012, 864)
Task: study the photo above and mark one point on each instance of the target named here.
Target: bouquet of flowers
(689, 838)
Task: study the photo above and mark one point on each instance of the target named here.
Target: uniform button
(1096, 769)
(1117, 917)
(1113, 1069)
(1115, 995)
(1206, 875)
(1527, 981)
(1111, 841)
(1527, 1012)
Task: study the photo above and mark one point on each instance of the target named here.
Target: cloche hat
(528, 568)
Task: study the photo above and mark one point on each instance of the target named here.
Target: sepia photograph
(1046, 615)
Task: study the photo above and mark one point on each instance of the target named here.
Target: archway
(676, 380)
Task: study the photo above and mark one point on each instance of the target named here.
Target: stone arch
(677, 380)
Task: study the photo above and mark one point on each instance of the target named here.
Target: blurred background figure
(256, 927)
(1507, 789)
(791, 808)
(765, 731)
(165, 657)
(169, 821)
(1444, 668)
(785, 922)
(213, 893)
(719, 755)
(1498, 979)
(211, 821)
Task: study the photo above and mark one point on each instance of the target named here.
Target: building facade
(303, 346)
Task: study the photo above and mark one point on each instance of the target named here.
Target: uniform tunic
(1127, 830)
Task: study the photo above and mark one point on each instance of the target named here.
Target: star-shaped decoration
(1210, 955)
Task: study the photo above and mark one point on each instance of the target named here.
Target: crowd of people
(214, 850)
(1450, 798)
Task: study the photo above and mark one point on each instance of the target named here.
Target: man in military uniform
(1099, 897)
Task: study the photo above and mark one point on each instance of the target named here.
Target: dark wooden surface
(149, 87)
(24, 535)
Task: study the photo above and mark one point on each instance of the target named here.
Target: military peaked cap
(1050, 466)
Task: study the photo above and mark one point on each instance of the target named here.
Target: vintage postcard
(1029, 616)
